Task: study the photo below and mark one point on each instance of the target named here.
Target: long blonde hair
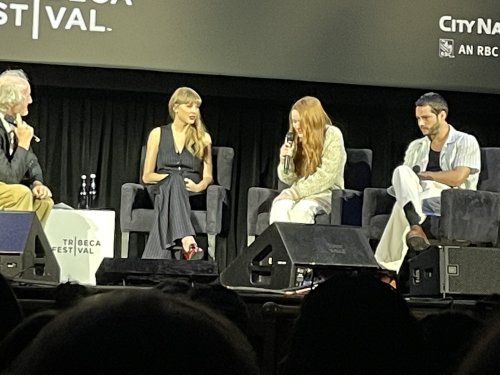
(195, 135)
(313, 119)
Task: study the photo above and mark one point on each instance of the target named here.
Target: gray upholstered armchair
(469, 216)
(346, 203)
(136, 210)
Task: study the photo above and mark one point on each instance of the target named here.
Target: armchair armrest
(217, 198)
(132, 196)
(376, 201)
(259, 200)
(471, 215)
(339, 197)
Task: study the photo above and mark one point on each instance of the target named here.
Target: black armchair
(346, 203)
(136, 210)
(469, 216)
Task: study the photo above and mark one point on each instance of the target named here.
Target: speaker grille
(24, 249)
(14, 231)
(473, 270)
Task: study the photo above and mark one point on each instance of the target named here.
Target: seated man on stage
(21, 179)
(444, 158)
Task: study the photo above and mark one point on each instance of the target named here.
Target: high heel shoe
(193, 253)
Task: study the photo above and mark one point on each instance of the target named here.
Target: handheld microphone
(416, 169)
(11, 120)
(289, 140)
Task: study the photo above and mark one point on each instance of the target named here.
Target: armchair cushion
(222, 166)
(259, 203)
(489, 178)
(347, 203)
(471, 215)
(217, 197)
(134, 196)
(377, 207)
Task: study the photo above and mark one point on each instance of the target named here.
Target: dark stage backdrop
(96, 120)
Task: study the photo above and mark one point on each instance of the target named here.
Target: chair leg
(125, 243)
(211, 245)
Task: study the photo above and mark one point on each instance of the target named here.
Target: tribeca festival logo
(59, 17)
(77, 246)
(485, 27)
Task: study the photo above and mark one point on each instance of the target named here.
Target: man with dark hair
(444, 158)
(21, 178)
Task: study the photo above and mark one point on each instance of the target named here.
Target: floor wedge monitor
(25, 252)
(455, 270)
(290, 255)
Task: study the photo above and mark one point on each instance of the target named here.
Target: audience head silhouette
(354, 325)
(484, 355)
(137, 332)
(220, 299)
(448, 337)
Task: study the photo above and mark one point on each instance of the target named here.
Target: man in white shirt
(444, 158)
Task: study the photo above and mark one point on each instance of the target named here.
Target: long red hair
(313, 120)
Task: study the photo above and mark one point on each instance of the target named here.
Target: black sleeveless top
(433, 164)
(169, 161)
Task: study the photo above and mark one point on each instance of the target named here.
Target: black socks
(411, 214)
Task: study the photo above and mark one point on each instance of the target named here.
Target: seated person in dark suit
(21, 178)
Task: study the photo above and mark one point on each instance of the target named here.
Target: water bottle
(92, 190)
(82, 195)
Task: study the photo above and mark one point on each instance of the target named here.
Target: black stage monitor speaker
(453, 270)
(25, 252)
(290, 255)
(151, 271)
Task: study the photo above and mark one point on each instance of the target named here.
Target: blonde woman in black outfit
(178, 170)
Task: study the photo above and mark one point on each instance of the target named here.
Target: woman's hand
(286, 150)
(192, 187)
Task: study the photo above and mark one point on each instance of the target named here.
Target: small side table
(80, 239)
